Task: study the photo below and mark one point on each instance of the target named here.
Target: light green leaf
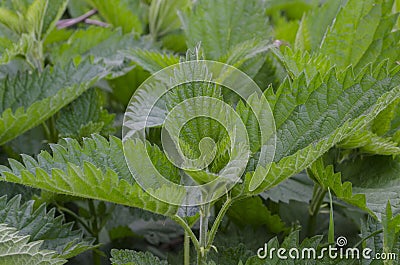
(314, 24)
(17, 250)
(95, 170)
(221, 25)
(329, 180)
(151, 60)
(352, 32)
(163, 16)
(103, 44)
(311, 119)
(368, 142)
(120, 14)
(43, 225)
(30, 98)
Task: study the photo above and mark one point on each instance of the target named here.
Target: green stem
(315, 205)
(188, 230)
(377, 232)
(227, 204)
(76, 217)
(186, 249)
(203, 234)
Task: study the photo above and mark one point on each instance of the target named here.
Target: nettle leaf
(310, 119)
(379, 182)
(163, 16)
(370, 143)
(120, 13)
(85, 116)
(314, 24)
(151, 60)
(29, 99)
(103, 44)
(130, 257)
(16, 249)
(42, 15)
(361, 34)
(96, 169)
(42, 225)
(328, 179)
(213, 23)
(252, 211)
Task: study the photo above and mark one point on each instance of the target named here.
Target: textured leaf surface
(84, 116)
(120, 13)
(95, 170)
(28, 99)
(310, 119)
(379, 182)
(223, 24)
(16, 249)
(151, 60)
(327, 178)
(42, 225)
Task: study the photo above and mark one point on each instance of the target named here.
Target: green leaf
(42, 15)
(151, 60)
(131, 257)
(391, 229)
(103, 44)
(310, 119)
(42, 225)
(377, 177)
(358, 26)
(11, 20)
(370, 143)
(223, 24)
(84, 116)
(252, 211)
(29, 99)
(16, 249)
(163, 16)
(95, 170)
(329, 180)
(314, 24)
(120, 13)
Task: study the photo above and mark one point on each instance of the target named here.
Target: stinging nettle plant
(331, 83)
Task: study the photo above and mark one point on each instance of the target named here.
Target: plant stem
(186, 249)
(203, 234)
(227, 204)
(188, 230)
(315, 205)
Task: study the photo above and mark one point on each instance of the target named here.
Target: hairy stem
(188, 230)
(203, 234)
(227, 204)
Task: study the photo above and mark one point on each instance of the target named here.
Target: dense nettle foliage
(328, 69)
